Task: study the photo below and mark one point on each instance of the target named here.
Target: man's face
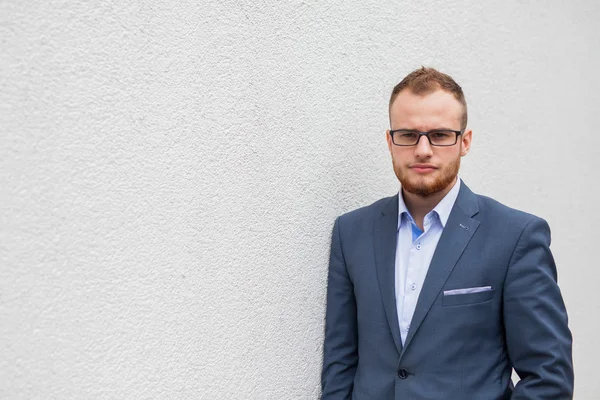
(425, 170)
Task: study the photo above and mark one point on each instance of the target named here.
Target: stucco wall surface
(170, 173)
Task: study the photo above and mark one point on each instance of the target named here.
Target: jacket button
(402, 373)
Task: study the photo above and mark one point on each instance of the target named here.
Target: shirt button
(413, 286)
(419, 246)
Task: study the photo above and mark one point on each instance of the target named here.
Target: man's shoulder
(494, 209)
(370, 211)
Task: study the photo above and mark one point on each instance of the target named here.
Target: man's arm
(340, 350)
(537, 335)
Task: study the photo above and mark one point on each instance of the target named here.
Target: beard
(425, 186)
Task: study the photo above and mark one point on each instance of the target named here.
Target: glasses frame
(458, 133)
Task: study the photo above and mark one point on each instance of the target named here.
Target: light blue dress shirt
(414, 251)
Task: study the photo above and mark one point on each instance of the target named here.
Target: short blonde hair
(424, 80)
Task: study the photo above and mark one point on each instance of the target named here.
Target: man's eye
(440, 135)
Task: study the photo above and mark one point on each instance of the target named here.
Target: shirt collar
(442, 209)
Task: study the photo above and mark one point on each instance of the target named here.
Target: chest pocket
(467, 298)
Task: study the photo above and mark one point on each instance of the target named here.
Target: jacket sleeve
(537, 335)
(340, 350)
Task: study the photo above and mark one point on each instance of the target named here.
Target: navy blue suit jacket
(458, 347)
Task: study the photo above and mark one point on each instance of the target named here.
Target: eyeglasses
(437, 137)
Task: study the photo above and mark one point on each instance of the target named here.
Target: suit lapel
(384, 236)
(457, 233)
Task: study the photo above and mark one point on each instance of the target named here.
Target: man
(437, 293)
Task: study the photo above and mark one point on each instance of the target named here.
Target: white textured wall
(170, 173)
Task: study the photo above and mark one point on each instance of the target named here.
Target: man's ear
(465, 142)
(388, 138)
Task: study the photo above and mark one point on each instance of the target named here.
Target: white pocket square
(467, 290)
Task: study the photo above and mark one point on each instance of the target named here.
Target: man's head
(427, 100)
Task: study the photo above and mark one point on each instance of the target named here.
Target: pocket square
(478, 289)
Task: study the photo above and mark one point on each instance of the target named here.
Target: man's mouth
(423, 168)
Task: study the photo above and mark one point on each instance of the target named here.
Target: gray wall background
(170, 173)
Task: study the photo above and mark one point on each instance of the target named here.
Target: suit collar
(384, 245)
(467, 201)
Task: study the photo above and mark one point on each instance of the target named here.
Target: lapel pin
(466, 228)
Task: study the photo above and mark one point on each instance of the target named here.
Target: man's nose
(423, 147)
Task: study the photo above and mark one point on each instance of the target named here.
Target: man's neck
(419, 206)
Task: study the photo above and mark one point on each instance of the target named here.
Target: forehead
(438, 109)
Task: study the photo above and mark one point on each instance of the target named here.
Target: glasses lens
(442, 138)
(405, 138)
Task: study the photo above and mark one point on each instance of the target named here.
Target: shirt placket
(413, 273)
